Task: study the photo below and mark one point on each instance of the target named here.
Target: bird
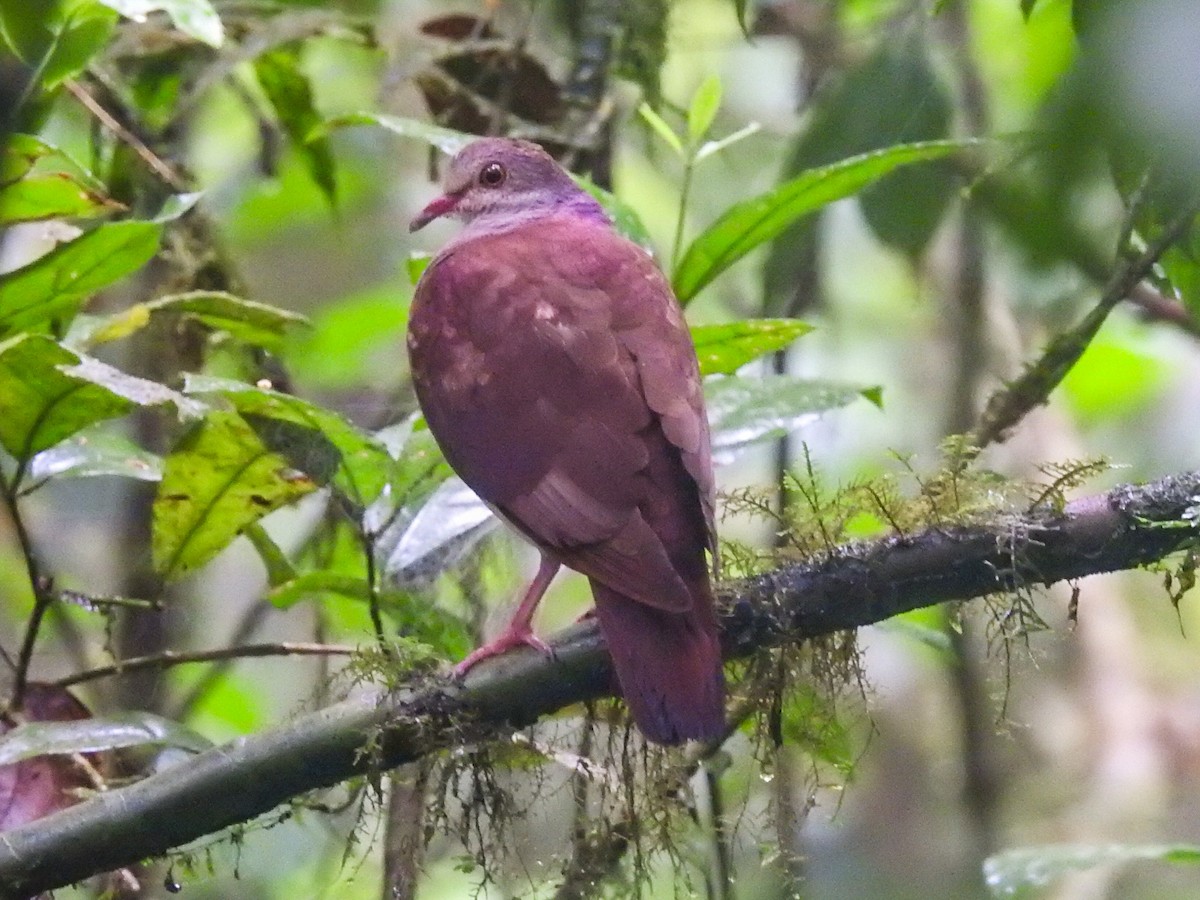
(557, 375)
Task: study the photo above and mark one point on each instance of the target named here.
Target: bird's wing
(550, 362)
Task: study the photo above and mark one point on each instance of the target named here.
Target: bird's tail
(668, 665)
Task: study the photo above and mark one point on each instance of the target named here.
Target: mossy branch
(854, 585)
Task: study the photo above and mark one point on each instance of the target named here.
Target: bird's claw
(501, 645)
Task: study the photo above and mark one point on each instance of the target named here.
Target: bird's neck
(579, 206)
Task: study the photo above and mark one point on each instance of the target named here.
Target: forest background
(941, 264)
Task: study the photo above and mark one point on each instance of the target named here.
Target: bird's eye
(492, 175)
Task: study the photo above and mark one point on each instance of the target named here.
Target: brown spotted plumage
(554, 368)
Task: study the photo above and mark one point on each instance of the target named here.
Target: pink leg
(520, 629)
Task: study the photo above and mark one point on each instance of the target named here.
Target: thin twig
(1033, 387)
(135, 143)
(171, 658)
(43, 595)
(373, 599)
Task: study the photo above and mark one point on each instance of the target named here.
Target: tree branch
(853, 586)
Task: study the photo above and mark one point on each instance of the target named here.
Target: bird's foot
(512, 637)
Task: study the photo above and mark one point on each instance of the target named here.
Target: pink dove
(556, 373)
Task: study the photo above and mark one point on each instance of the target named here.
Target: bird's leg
(520, 629)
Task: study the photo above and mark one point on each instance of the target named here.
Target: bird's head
(505, 180)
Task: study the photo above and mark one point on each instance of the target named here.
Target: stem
(677, 246)
(42, 595)
(368, 543)
(722, 887)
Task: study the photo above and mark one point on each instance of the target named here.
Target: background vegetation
(891, 221)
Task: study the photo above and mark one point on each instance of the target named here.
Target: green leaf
(415, 266)
(252, 323)
(891, 97)
(747, 411)
(723, 349)
(703, 109)
(445, 139)
(20, 155)
(1011, 871)
(664, 131)
(52, 196)
(95, 735)
(218, 480)
(195, 18)
(56, 39)
(44, 397)
(905, 209)
(53, 287)
(359, 465)
(288, 89)
(279, 567)
(751, 223)
(91, 453)
(624, 218)
(319, 585)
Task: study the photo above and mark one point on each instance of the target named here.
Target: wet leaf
(40, 404)
(51, 289)
(1011, 871)
(39, 786)
(251, 323)
(95, 735)
(723, 349)
(219, 479)
(48, 393)
(93, 453)
(357, 464)
(420, 547)
(747, 411)
(195, 18)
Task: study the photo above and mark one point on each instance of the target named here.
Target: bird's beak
(436, 209)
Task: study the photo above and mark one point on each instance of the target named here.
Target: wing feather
(556, 372)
